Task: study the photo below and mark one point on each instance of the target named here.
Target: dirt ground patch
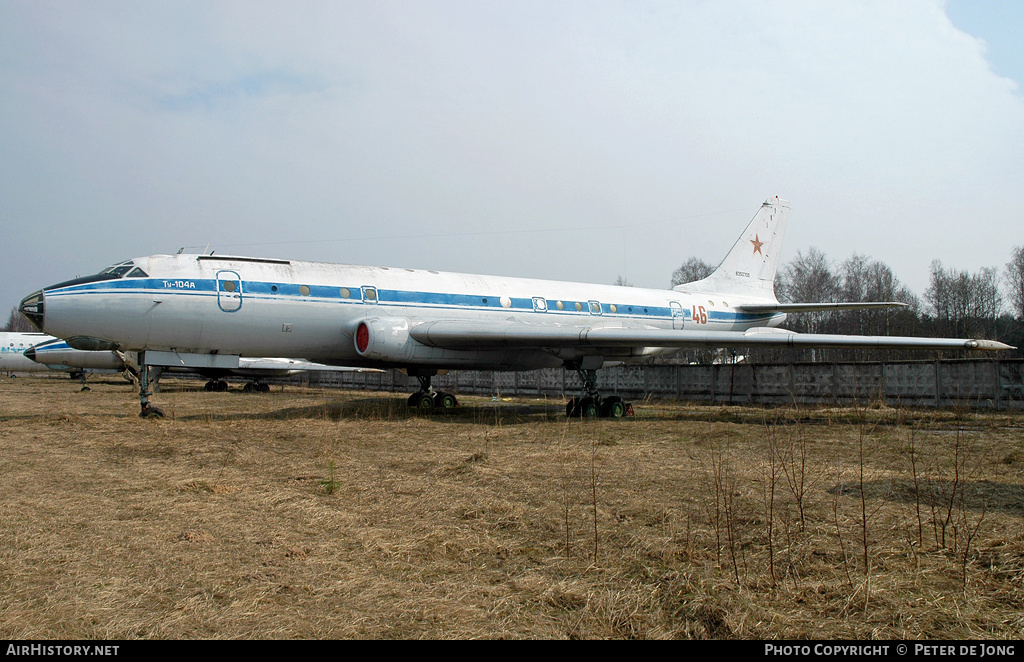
(306, 513)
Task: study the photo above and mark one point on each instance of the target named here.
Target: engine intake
(386, 339)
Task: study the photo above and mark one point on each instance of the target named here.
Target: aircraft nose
(32, 307)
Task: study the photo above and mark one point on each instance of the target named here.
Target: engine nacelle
(387, 339)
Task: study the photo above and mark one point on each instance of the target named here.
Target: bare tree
(1014, 328)
(17, 322)
(693, 269)
(809, 278)
(864, 280)
(1015, 279)
(964, 304)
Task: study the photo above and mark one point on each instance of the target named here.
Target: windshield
(121, 268)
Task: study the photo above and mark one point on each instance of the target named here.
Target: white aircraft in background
(211, 310)
(56, 354)
(17, 354)
(13, 346)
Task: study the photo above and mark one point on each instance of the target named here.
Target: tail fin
(750, 266)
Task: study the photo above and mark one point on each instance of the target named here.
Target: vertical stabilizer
(750, 266)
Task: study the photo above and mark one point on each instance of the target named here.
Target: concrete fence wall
(985, 384)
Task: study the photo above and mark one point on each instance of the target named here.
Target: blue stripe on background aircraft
(211, 310)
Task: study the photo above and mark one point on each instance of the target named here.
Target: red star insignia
(757, 244)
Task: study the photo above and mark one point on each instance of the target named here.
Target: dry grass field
(308, 513)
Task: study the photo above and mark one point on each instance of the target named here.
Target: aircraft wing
(816, 307)
(453, 334)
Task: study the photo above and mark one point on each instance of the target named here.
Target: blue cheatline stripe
(52, 345)
(278, 291)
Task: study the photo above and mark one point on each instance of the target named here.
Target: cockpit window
(119, 269)
(137, 273)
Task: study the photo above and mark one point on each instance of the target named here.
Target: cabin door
(677, 314)
(229, 291)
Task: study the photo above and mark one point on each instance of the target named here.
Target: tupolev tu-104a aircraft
(211, 310)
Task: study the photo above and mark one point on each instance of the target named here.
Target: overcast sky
(570, 140)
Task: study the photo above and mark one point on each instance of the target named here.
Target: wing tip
(989, 345)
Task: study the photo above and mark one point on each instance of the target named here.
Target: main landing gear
(220, 385)
(427, 399)
(590, 403)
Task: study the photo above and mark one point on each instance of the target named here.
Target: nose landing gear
(148, 410)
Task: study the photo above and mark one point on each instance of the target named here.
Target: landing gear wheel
(414, 399)
(613, 407)
(85, 388)
(585, 407)
(426, 402)
(445, 401)
(149, 411)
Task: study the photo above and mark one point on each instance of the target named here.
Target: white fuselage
(263, 307)
(12, 351)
